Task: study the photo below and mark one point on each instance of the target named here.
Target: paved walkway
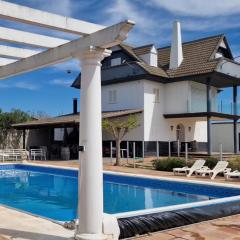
(20, 226)
(16, 225)
(221, 229)
(108, 167)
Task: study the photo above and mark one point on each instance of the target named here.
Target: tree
(39, 115)
(7, 133)
(118, 128)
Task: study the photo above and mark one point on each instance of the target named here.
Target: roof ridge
(127, 45)
(196, 40)
(143, 46)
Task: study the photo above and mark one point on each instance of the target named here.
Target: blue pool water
(52, 193)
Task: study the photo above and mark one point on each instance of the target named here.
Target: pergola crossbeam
(105, 38)
(33, 39)
(32, 16)
(14, 52)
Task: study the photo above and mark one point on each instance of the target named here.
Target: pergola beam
(33, 39)
(105, 38)
(14, 52)
(32, 16)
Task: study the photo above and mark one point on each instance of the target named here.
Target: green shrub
(234, 163)
(211, 162)
(168, 164)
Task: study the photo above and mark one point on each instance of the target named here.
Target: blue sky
(48, 89)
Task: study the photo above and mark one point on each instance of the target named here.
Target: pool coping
(152, 210)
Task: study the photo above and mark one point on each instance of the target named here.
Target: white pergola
(90, 48)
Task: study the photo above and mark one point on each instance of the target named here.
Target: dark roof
(198, 59)
(70, 119)
(156, 71)
(143, 49)
(130, 51)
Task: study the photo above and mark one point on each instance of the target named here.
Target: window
(156, 95)
(115, 61)
(58, 134)
(112, 96)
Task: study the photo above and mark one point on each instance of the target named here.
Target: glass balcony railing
(196, 107)
(227, 107)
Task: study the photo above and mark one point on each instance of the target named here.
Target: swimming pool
(52, 193)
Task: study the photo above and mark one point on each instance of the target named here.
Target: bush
(211, 162)
(234, 163)
(168, 164)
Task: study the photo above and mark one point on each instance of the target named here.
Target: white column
(90, 208)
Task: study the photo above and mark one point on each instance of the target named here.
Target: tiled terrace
(18, 225)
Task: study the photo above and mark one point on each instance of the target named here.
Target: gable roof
(198, 58)
(155, 71)
(143, 49)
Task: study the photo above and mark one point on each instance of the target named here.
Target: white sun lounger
(232, 175)
(190, 170)
(221, 167)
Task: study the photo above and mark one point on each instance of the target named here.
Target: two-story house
(175, 86)
(173, 89)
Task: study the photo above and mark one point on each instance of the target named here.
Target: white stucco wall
(155, 125)
(158, 128)
(151, 58)
(176, 97)
(200, 131)
(129, 96)
(195, 129)
(173, 98)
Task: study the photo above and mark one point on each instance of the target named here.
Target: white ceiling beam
(8, 51)
(33, 39)
(5, 61)
(105, 38)
(32, 16)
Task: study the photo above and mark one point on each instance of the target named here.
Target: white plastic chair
(232, 175)
(190, 170)
(35, 153)
(220, 167)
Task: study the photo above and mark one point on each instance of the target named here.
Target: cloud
(124, 9)
(61, 82)
(20, 85)
(63, 7)
(200, 8)
(220, 24)
(120, 10)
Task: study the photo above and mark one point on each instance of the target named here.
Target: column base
(86, 236)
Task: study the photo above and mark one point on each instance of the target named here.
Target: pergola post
(90, 197)
(209, 134)
(235, 119)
